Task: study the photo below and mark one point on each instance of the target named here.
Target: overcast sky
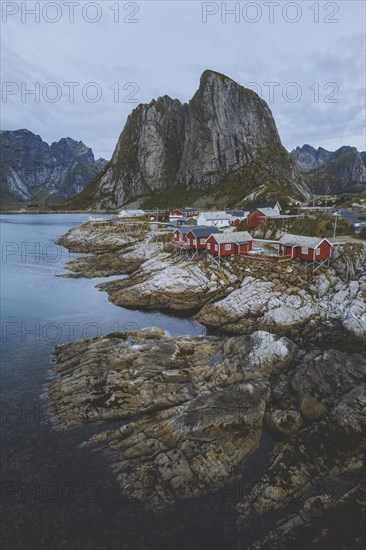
(313, 53)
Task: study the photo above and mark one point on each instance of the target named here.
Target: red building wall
(176, 236)
(288, 251)
(325, 252)
(184, 214)
(255, 219)
(225, 252)
(232, 248)
(191, 240)
(244, 248)
(212, 242)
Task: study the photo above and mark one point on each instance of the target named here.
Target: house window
(317, 252)
(228, 247)
(304, 250)
(216, 247)
(203, 241)
(195, 242)
(208, 246)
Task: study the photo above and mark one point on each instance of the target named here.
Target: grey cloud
(166, 52)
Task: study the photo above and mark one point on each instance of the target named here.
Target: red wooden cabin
(305, 248)
(227, 244)
(260, 216)
(183, 213)
(197, 236)
(180, 235)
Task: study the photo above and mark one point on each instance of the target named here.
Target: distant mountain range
(32, 170)
(328, 172)
(221, 148)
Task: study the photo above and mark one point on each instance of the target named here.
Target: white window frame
(216, 247)
(208, 246)
(228, 247)
(317, 252)
(203, 241)
(304, 250)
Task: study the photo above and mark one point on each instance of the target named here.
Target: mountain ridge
(31, 169)
(332, 172)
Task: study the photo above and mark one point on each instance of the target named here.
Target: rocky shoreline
(181, 416)
(239, 296)
(191, 410)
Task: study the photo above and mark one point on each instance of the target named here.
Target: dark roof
(185, 228)
(236, 213)
(348, 215)
(250, 206)
(204, 231)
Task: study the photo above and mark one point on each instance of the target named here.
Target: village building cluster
(216, 233)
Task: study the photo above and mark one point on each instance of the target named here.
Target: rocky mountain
(33, 170)
(224, 141)
(332, 172)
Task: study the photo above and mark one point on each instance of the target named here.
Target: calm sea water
(56, 493)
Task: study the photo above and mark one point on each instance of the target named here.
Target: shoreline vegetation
(285, 356)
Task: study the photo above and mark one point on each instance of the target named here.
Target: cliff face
(332, 172)
(33, 169)
(147, 154)
(225, 132)
(226, 127)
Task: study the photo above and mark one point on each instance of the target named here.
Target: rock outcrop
(325, 521)
(331, 448)
(32, 169)
(99, 238)
(179, 416)
(225, 134)
(314, 476)
(323, 306)
(166, 283)
(193, 408)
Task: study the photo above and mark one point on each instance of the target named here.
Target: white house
(214, 219)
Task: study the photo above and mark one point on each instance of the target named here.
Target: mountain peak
(209, 74)
(225, 132)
